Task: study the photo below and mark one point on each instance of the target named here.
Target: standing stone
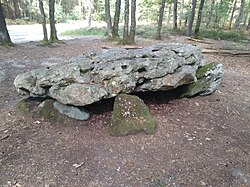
(130, 115)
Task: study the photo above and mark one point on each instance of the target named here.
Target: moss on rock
(23, 106)
(208, 79)
(130, 115)
(47, 111)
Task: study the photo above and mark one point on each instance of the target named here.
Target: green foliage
(101, 31)
(6, 44)
(149, 10)
(149, 31)
(223, 35)
(74, 14)
(60, 16)
(19, 22)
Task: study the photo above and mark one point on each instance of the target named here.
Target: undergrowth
(149, 31)
(86, 31)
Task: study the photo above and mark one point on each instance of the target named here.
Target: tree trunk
(181, 12)
(169, 11)
(89, 12)
(133, 21)
(17, 13)
(232, 14)
(45, 33)
(175, 14)
(108, 18)
(198, 23)
(191, 19)
(161, 13)
(246, 14)
(4, 34)
(248, 25)
(210, 14)
(53, 32)
(239, 18)
(126, 22)
(116, 18)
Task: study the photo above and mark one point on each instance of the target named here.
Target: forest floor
(201, 141)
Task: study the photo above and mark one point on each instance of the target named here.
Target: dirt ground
(202, 141)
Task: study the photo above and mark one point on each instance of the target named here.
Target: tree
(248, 25)
(191, 19)
(126, 22)
(43, 16)
(210, 14)
(240, 16)
(53, 32)
(232, 14)
(89, 7)
(160, 19)
(198, 22)
(108, 18)
(175, 14)
(181, 12)
(17, 13)
(133, 21)
(4, 34)
(116, 19)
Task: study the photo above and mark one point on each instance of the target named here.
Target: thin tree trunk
(133, 21)
(210, 14)
(89, 12)
(80, 5)
(181, 12)
(117, 18)
(126, 22)
(191, 19)
(238, 21)
(168, 7)
(247, 14)
(169, 11)
(17, 13)
(198, 23)
(232, 14)
(53, 32)
(108, 18)
(248, 25)
(175, 14)
(4, 34)
(45, 33)
(89, 17)
(161, 12)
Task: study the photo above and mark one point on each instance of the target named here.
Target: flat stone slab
(104, 74)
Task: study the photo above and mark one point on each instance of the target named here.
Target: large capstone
(104, 74)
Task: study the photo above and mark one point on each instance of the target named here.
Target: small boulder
(130, 115)
(71, 111)
(49, 112)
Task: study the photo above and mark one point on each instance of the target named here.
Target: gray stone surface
(208, 79)
(105, 74)
(130, 115)
(71, 111)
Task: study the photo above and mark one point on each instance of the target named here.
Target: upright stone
(130, 115)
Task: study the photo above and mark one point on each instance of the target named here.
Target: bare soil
(201, 141)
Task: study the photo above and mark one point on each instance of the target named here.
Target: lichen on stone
(130, 115)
